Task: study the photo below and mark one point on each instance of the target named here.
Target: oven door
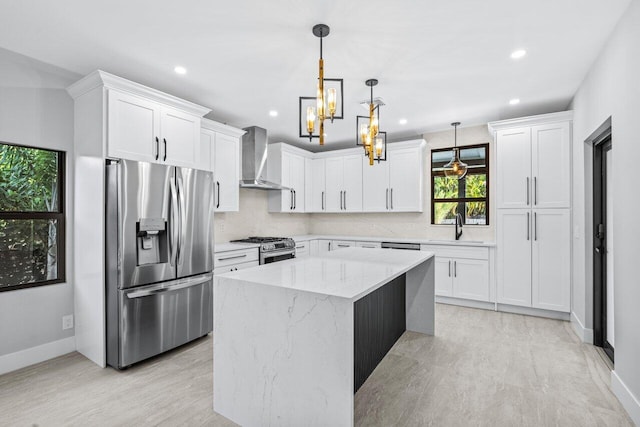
(275, 256)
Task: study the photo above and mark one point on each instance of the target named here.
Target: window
(468, 196)
(31, 217)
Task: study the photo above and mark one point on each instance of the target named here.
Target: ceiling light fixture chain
(326, 104)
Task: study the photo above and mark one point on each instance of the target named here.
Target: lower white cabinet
(534, 258)
(461, 271)
(319, 246)
(303, 249)
(340, 244)
(235, 260)
(370, 245)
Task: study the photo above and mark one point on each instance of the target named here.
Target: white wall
(35, 110)
(612, 89)
(416, 225)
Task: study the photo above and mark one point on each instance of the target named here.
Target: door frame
(601, 145)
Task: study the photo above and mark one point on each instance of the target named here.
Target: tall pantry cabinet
(533, 199)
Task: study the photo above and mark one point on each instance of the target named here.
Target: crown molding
(562, 116)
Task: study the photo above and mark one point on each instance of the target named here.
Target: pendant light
(455, 167)
(325, 104)
(368, 133)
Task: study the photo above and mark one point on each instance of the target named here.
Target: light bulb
(374, 125)
(364, 132)
(379, 147)
(320, 104)
(311, 120)
(331, 101)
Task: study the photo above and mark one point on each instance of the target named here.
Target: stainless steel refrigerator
(159, 255)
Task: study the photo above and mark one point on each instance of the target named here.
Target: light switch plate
(67, 321)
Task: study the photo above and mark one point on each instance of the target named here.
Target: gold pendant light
(456, 167)
(325, 104)
(368, 132)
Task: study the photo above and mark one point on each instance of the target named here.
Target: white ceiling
(436, 61)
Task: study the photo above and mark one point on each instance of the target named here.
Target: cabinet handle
(535, 226)
(165, 148)
(232, 257)
(528, 224)
(290, 200)
(218, 187)
(157, 148)
(322, 200)
(535, 190)
(344, 196)
(343, 246)
(387, 198)
(295, 200)
(340, 200)
(527, 191)
(391, 197)
(449, 268)
(455, 268)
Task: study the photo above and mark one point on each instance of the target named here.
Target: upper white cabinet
(533, 216)
(343, 182)
(395, 185)
(224, 160)
(534, 166)
(286, 166)
(315, 186)
(147, 130)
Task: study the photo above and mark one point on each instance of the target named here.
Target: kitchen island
(293, 340)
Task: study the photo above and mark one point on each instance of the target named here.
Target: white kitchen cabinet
(461, 271)
(343, 183)
(320, 246)
(315, 187)
(225, 163)
(341, 244)
(368, 245)
(205, 162)
(394, 185)
(145, 130)
(534, 166)
(303, 249)
(235, 260)
(287, 168)
(551, 259)
(514, 256)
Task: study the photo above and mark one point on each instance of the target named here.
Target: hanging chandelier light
(368, 132)
(325, 105)
(455, 167)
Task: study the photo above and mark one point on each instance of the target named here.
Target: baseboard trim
(624, 395)
(585, 334)
(466, 302)
(30, 356)
(537, 312)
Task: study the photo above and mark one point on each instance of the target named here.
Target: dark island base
(379, 321)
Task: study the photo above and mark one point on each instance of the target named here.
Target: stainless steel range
(273, 249)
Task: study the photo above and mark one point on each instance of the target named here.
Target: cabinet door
(133, 128)
(551, 259)
(286, 196)
(471, 279)
(551, 165)
(296, 181)
(324, 246)
(513, 157)
(227, 172)
(341, 244)
(405, 180)
(443, 277)
(205, 160)
(514, 256)
(318, 195)
(333, 180)
(180, 138)
(375, 186)
(352, 183)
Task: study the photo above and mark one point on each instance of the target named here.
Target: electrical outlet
(67, 321)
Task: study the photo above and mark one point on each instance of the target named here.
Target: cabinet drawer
(227, 258)
(235, 267)
(446, 251)
(340, 244)
(370, 245)
(302, 249)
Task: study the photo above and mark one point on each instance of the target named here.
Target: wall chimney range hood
(254, 160)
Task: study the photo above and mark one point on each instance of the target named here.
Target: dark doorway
(603, 280)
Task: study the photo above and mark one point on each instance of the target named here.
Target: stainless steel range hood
(254, 160)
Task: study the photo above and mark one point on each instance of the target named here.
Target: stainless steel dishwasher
(399, 245)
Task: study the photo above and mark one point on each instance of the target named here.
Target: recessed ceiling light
(514, 101)
(403, 121)
(273, 113)
(517, 54)
(180, 70)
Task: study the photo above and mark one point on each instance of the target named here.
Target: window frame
(462, 187)
(58, 215)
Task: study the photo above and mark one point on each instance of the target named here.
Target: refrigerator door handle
(173, 285)
(175, 227)
(183, 219)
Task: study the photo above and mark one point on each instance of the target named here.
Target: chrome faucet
(458, 226)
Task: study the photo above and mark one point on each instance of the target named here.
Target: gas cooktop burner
(255, 239)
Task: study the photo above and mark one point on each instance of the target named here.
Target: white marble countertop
(225, 247)
(348, 273)
(395, 239)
